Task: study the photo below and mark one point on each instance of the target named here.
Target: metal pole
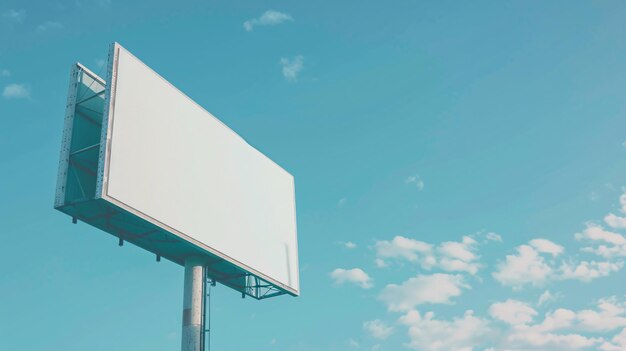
(206, 317)
(192, 306)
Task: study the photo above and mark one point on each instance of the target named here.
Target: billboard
(168, 176)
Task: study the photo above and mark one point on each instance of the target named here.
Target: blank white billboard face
(173, 163)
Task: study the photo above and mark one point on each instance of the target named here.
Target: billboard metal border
(68, 123)
(70, 110)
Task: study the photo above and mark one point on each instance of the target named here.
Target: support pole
(192, 306)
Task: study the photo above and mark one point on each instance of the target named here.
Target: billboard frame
(98, 209)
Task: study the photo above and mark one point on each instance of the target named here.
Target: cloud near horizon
(514, 325)
(446, 269)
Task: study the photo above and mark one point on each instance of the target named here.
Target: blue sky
(460, 172)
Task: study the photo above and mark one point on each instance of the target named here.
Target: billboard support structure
(206, 317)
(193, 306)
(189, 186)
(171, 178)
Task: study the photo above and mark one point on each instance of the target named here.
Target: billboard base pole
(193, 306)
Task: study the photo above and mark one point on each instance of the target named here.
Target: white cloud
(292, 67)
(617, 343)
(610, 244)
(346, 244)
(14, 15)
(587, 271)
(595, 233)
(356, 276)
(380, 263)
(450, 256)
(417, 180)
(49, 25)
(546, 298)
(459, 250)
(493, 236)
(609, 316)
(557, 331)
(523, 338)
(561, 329)
(378, 329)
(452, 265)
(512, 312)
(402, 248)
(607, 251)
(5, 73)
(559, 319)
(16, 91)
(423, 289)
(525, 267)
(528, 266)
(268, 18)
(352, 343)
(547, 246)
(459, 256)
(349, 245)
(614, 221)
(429, 334)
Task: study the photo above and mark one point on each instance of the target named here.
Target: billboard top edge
(90, 73)
(118, 46)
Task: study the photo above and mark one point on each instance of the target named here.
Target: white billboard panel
(172, 163)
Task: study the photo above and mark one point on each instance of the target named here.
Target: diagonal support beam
(84, 149)
(91, 97)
